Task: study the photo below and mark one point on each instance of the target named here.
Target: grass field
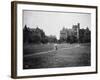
(36, 48)
(67, 57)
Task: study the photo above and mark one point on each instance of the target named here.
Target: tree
(34, 35)
(71, 39)
(81, 35)
(44, 40)
(84, 35)
(87, 35)
(25, 34)
(52, 39)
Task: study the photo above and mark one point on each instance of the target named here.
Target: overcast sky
(53, 22)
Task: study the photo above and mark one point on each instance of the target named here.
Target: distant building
(76, 29)
(64, 33)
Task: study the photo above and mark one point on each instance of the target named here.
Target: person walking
(55, 46)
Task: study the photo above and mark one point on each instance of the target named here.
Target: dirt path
(30, 55)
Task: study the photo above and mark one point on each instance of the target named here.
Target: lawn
(36, 48)
(73, 57)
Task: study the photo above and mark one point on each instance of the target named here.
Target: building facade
(64, 33)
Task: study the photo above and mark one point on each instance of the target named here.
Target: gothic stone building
(64, 33)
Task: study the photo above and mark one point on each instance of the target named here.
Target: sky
(53, 22)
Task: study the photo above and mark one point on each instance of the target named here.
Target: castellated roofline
(65, 32)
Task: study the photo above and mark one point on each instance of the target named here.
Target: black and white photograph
(53, 39)
(56, 39)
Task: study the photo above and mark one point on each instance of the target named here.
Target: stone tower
(76, 29)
